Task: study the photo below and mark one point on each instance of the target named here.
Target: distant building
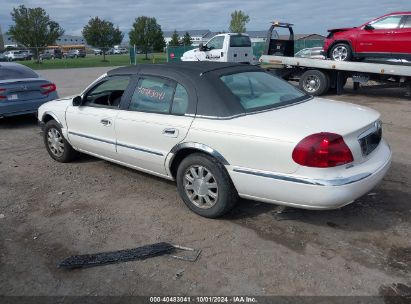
(197, 36)
(70, 39)
(62, 40)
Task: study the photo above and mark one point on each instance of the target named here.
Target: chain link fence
(174, 53)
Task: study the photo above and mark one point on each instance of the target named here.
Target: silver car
(22, 90)
(313, 53)
(15, 55)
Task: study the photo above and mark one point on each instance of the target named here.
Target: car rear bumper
(303, 192)
(13, 108)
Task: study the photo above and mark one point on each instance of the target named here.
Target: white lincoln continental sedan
(223, 131)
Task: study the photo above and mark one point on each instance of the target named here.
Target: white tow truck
(228, 47)
(318, 76)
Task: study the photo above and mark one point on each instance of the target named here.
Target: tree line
(34, 28)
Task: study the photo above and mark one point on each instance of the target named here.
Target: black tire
(226, 193)
(314, 82)
(340, 52)
(68, 153)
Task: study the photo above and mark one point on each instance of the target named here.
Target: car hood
(294, 122)
(343, 29)
(61, 103)
(190, 54)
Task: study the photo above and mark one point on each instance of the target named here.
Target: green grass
(92, 61)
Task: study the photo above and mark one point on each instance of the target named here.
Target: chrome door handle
(105, 122)
(170, 132)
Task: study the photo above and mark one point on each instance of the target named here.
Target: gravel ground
(49, 211)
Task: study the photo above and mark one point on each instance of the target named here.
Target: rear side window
(259, 90)
(180, 101)
(407, 23)
(240, 41)
(16, 72)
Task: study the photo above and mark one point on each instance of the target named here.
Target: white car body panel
(256, 149)
(145, 139)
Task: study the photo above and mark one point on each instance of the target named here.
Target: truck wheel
(205, 186)
(341, 52)
(314, 82)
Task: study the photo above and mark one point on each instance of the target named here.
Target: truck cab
(228, 47)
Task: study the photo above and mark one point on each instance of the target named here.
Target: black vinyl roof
(209, 96)
(185, 67)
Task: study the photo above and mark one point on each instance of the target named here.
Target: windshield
(260, 90)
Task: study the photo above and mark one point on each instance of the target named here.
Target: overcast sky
(309, 16)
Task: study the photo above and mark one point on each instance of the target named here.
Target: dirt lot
(51, 210)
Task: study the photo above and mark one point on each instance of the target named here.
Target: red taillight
(48, 88)
(2, 96)
(322, 150)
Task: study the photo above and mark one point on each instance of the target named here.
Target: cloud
(308, 16)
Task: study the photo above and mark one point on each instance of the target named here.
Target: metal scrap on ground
(139, 253)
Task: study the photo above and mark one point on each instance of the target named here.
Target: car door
(91, 126)
(402, 37)
(215, 49)
(153, 123)
(377, 38)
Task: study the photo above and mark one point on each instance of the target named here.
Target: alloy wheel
(200, 186)
(55, 142)
(340, 53)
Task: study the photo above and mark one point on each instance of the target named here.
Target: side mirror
(77, 101)
(368, 27)
(201, 47)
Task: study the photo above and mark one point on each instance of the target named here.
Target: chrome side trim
(114, 143)
(305, 180)
(201, 147)
(140, 149)
(92, 138)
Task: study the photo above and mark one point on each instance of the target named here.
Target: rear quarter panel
(240, 147)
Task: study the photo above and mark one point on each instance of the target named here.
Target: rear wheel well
(182, 154)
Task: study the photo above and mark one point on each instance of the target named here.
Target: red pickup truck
(388, 36)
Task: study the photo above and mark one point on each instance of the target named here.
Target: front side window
(216, 43)
(259, 90)
(152, 95)
(108, 92)
(390, 22)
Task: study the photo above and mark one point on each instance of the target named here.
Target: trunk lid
(23, 89)
(293, 123)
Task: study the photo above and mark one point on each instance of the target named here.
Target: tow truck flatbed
(361, 67)
(317, 76)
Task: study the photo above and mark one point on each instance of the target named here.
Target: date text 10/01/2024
(203, 299)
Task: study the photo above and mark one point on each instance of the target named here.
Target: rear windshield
(259, 90)
(16, 72)
(240, 41)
